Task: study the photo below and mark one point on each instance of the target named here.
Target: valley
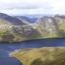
(21, 28)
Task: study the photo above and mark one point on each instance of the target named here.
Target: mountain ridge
(19, 29)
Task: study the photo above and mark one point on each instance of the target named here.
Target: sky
(32, 7)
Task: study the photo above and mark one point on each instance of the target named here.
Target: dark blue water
(6, 48)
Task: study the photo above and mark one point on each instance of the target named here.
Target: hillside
(60, 16)
(28, 19)
(51, 26)
(40, 56)
(12, 20)
(6, 27)
(13, 29)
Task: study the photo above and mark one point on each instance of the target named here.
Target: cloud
(23, 4)
(26, 11)
(24, 7)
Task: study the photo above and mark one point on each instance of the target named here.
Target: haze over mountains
(20, 28)
(30, 20)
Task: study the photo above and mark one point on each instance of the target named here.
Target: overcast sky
(28, 7)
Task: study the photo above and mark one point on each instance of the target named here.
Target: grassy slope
(61, 29)
(4, 27)
(40, 56)
(38, 33)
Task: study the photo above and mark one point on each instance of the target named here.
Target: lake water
(6, 48)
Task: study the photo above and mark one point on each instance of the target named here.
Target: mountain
(50, 26)
(28, 19)
(49, 23)
(13, 29)
(12, 20)
(18, 28)
(60, 16)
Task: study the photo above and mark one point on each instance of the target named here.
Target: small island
(40, 56)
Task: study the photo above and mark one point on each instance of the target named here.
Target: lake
(6, 48)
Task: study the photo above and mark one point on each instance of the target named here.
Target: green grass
(39, 32)
(40, 56)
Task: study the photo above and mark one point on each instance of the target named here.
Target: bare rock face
(51, 24)
(44, 27)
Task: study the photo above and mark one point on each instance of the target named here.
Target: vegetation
(7, 36)
(15, 29)
(40, 56)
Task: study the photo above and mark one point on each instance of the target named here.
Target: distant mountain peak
(28, 19)
(10, 19)
(60, 16)
(3, 15)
